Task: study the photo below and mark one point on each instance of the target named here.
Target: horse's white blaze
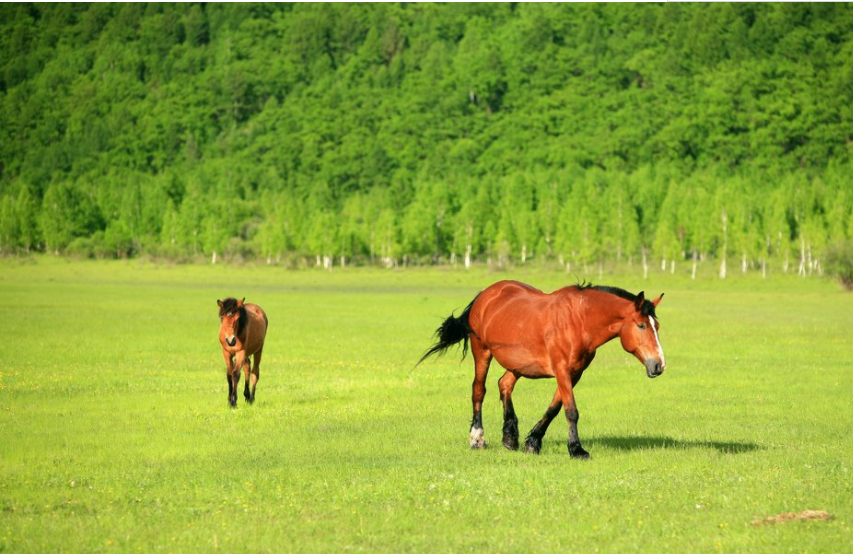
(657, 341)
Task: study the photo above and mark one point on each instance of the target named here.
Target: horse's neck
(602, 317)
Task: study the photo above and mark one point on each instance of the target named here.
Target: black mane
(229, 305)
(648, 308)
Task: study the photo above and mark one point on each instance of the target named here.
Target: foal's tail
(452, 331)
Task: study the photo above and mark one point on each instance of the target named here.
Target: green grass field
(115, 433)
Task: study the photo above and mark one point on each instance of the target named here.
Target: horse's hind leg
(533, 443)
(482, 359)
(506, 384)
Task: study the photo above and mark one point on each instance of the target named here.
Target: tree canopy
(583, 133)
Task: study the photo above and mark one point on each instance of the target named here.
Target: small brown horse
(241, 332)
(536, 335)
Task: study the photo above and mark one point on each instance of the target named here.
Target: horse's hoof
(510, 443)
(532, 446)
(579, 453)
(477, 439)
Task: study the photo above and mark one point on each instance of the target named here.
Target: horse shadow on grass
(653, 442)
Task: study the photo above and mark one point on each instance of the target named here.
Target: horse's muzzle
(653, 368)
(232, 341)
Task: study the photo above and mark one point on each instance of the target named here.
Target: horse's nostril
(654, 367)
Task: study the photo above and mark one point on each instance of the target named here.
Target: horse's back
(513, 287)
(504, 291)
(509, 306)
(258, 312)
(258, 324)
(502, 294)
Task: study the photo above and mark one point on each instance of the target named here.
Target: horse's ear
(657, 300)
(641, 298)
(219, 302)
(240, 303)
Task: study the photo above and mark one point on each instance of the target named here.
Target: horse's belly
(522, 362)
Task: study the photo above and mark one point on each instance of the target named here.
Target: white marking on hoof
(477, 438)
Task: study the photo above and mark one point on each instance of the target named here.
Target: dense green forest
(580, 134)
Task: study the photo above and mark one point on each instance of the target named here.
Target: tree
(68, 212)
(478, 66)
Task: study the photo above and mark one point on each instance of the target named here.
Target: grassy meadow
(115, 433)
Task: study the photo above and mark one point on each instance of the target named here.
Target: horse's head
(232, 316)
(639, 334)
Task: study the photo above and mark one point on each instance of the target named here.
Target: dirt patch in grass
(807, 515)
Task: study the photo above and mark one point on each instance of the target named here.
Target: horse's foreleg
(239, 360)
(566, 391)
(482, 359)
(510, 429)
(246, 369)
(232, 398)
(232, 391)
(256, 374)
(533, 442)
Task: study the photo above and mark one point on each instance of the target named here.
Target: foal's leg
(246, 392)
(482, 359)
(256, 374)
(232, 391)
(506, 384)
(533, 442)
(239, 361)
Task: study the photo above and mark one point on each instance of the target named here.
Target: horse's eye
(642, 326)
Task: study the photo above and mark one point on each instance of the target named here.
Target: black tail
(452, 331)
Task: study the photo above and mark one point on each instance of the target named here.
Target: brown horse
(241, 332)
(536, 335)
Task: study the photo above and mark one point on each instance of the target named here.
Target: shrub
(839, 263)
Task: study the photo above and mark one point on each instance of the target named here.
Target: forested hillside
(418, 133)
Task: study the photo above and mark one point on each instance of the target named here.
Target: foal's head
(232, 314)
(639, 335)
